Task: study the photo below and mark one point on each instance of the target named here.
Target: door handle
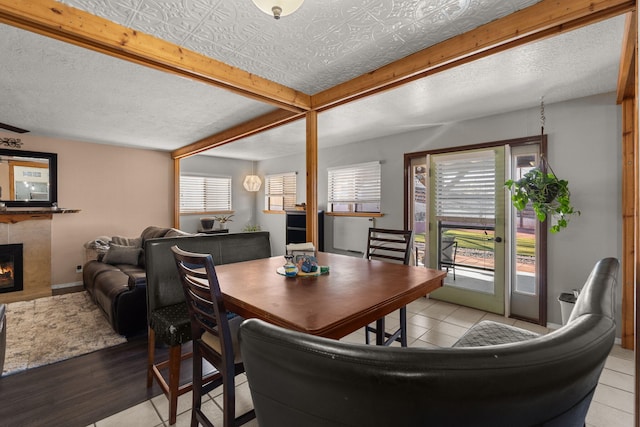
(498, 239)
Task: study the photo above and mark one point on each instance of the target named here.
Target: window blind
(465, 186)
(204, 194)
(280, 191)
(355, 185)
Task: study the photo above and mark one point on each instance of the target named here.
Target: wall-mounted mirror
(28, 178)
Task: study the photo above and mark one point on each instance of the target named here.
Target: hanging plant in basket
(548, 195)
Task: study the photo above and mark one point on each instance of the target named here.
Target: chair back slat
(389, 244)
(203, 296)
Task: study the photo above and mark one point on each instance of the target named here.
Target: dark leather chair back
(302, 380)
(163, 282)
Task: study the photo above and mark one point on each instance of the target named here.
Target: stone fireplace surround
(32, 228)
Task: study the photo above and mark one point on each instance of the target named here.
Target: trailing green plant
(249, 228)
(548, 195)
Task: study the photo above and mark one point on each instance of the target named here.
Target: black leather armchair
(302, 380)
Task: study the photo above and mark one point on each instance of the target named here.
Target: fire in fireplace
(11, 268)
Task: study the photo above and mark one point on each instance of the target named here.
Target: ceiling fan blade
(12, 128)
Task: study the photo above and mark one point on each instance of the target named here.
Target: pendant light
(278, 8)
(252, 182)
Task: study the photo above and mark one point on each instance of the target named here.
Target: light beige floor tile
(622, 353)
(465, 317)
(185, 402)
(498, 319)
(243, 400)
(450, 329)
(438, 338)
(354, 337)
(617, 379)
(531, 327)
(600, 415)
(621, 365)
(440, 310)
(144, 414)
(417, 343)
(422, 321)
(419, 305)
(213, 412)
(614, 397)
(415, 331)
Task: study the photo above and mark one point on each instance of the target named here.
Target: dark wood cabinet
(296, 228)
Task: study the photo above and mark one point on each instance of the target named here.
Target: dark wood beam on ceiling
(53, 19)
(544, 19)
(252, 127)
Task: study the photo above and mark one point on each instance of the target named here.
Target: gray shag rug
(51, 329)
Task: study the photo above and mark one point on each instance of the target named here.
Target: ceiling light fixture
(252, 182)
(278, 8)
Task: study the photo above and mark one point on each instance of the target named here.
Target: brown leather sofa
(116, 281)
(303, 380)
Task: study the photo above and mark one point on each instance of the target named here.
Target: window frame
(288, 197)
(361, 189)
(201, 204)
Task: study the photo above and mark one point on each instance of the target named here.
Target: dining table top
(354, 293)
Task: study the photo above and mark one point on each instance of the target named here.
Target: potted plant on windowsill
(548, 195)
(222, 220)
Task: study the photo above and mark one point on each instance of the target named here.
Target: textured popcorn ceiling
(60, 90)
(323, 43)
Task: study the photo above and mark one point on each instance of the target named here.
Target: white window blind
(465, 186)
(280, 191)
(354, 188)
(200, 194)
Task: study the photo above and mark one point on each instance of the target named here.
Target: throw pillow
(118, 254)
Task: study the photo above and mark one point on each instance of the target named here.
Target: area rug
(50, 329)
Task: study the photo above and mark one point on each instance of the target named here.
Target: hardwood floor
(82, 390)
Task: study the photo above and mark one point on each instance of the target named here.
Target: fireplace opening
(11, 268)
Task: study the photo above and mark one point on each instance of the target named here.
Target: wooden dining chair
(390, 246)
(215, 335)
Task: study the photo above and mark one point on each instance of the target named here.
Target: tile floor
(430, 324)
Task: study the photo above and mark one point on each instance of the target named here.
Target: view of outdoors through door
(455, 223)
(463, 223)
(525, 231)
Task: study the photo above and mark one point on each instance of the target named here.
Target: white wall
(584, 147)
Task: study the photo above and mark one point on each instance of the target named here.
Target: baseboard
(66, 285)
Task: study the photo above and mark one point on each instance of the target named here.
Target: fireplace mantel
(14, 215)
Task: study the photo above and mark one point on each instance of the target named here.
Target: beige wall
(119, 190)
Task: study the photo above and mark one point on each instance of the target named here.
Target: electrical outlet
(78, 269)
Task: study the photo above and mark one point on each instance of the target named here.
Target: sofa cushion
(118, 254)
(127, 241)
(153, 232)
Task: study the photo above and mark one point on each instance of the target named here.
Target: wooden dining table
(354, 293)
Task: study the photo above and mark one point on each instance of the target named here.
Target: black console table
(217, 231)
